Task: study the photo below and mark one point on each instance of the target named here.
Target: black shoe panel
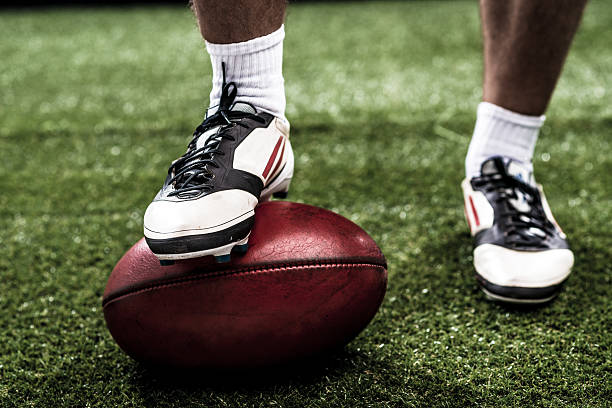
(511, 226)
(496, 236)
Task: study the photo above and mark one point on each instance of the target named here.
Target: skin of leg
(232, 21)
(525, 45)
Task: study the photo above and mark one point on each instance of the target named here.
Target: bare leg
(232, 21)
(525, 45)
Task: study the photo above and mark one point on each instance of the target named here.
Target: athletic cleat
(237, 158)
(521, 255)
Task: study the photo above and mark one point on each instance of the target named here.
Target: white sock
(501, 132)
(256, 66)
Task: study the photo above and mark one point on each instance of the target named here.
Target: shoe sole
(222, 243)
(218, 243)
(222, 254)
(518, 295)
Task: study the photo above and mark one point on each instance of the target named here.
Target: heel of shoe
(281, 191)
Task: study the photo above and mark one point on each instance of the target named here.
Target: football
(310, 281)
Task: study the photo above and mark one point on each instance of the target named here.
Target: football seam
(233, 274)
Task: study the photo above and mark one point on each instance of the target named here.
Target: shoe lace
(525, 226)
(191, 174)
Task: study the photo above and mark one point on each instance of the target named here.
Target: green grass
(95, 103)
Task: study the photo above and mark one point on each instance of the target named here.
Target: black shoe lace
(517, 225)
(191, 174)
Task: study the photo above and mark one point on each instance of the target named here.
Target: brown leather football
(310, 282)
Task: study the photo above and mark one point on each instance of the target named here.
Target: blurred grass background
(95, 104)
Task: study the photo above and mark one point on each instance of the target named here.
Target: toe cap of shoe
(210, 213)
(526, 269)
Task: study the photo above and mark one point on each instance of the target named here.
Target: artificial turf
(95, 103)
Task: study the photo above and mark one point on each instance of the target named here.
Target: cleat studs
(280, 194)
(222, 258)
(241, 248)
(166, 262)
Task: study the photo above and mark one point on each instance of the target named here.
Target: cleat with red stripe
(237, 158)
(521, 255)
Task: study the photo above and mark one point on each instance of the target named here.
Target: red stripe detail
(280, 160)
(271, 160)
(474, 211)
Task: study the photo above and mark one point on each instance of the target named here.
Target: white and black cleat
(521, 255)
(237, 158)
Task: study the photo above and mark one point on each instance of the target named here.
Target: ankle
(255, 66)
(501, 132)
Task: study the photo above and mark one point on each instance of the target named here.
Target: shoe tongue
(237, 107)
(519, 171)
(514, 168)
(492, 166)
(243, 107)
